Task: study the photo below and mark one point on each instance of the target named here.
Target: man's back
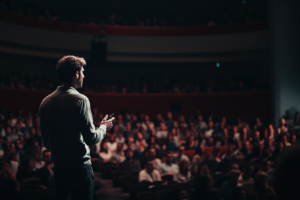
(67, 127)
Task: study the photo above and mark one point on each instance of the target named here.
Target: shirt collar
(61, 88)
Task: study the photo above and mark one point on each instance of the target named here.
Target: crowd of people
(200, 14)
(157, 148)
(142, 85)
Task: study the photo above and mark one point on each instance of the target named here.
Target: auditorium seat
(134, 189)
(116, 177)
(163, 194)
(146, 195)
(126, 181)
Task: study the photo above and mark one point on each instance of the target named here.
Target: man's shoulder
(76, 95)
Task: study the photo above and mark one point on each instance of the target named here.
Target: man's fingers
(112, 119)
(105, 117)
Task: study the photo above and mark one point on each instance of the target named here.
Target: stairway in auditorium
(107, 191)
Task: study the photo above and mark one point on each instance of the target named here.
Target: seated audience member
(203, 190)
(260, 189)
(39, 163)
(168, 168)
(265, 165)
(153, 143)
(185, 136)
(191, 144)
(19, 150)
(128, 131)
(181, 155)
(45, 173)
(228, 186)
(236, 134)
(162, 131)
(244, 135)
(238, 194)
(285, 141)
(120, 138)
(256, 140)
(183, 174)
(11, 136)
(8, 184)
(176, 137)
(237, 152)
(277, 151)
(210, 130)
(129, 143)
(246, 176)
(147, 124)
(104, 154)
(149, 173)
(140, 140)
(169, 120)
(203, 170)
(26, 169)
(228, 157)
(111, 144)
(129, 164)
(152, 156)
(169, 145)
(118, 156)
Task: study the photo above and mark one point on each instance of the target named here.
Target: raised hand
(107, 123)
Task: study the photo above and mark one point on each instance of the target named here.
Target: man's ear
(77, 75)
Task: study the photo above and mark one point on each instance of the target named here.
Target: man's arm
(43, 129)
(90, 135)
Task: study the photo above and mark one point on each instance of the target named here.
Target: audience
(192, 162)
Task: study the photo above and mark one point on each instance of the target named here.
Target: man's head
(129, 154)
(152, 153)
(46, 156)
(70, 70)
(169, 157)
(149, 165)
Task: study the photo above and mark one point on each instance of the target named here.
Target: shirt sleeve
(90, 134)
(43, 129)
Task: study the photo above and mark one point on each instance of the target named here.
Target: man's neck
(68, 85)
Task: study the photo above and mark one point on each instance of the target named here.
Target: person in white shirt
(183, 174)
(180, 155)
(168, 168)
(149, 173)
(118, 156)
(112, 144)
(236, 134)
(162, 131)
(147, 124)
(104, 153)
(210, 130)
(152, 156)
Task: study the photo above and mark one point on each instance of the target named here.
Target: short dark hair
(67, 66)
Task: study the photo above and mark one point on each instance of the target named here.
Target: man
(118, 156)
(149, 173)
(152, 156)
(130, 164)
(180, 155)
(168, 168)
(67, 130)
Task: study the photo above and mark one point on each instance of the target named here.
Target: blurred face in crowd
(163, 126)
(173, 131)
(147, 118)
(235, 129)
(150, 166)
(175, 124)
(294, 139)
(152, 153)
(31, 164)
(170, 138)
(210, 125)
(32, 131)
(282, 121)
(245, 131)
(104, 146)
(181, 118)
(112, 138)
(200, 118)
(169, 114)
(225, 132)
(152, 140)
(169, 158)
(47, 156)
(129, 154)
(257, 135)
(181, 149)
(8, 130)
(128, 126)
(139, 136)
